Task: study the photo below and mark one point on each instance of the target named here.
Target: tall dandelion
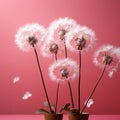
(29, 37)
(106, 57)
(80, 38)
(64, 70)
(57, 32)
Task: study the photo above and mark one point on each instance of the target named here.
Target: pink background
(103, 16)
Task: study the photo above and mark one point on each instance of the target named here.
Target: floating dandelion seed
(26, 95)
(89, 103)
(16, 79)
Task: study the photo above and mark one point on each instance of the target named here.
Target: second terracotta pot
(73, 116)
(53, 116)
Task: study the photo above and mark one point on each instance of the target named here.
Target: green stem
(71, 96)
(98, 81)
(79, 80)
(42, 79)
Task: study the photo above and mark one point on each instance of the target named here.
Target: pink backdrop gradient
(103, 16)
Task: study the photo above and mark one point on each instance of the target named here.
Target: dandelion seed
(90, 102)
(27, 95)
(16, 79)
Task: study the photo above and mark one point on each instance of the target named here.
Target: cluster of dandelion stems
(54, 49)
(108, 59)
(61, 35)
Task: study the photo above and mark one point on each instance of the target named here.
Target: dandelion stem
(55, 57)
(57, 92)
(71, 96)
(57, 96)
(79, 80)
(42, 79)
(98, 81)
(65, 49)
(69, 85)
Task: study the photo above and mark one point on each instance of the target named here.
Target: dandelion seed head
(109, 55)
(80, 38)
(60, 27)
(64, 69)
(30, 36)
(51, 48)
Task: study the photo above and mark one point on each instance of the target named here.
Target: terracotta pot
(73, 116)
(53, 116)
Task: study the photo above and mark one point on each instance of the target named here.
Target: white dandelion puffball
(59, 28)
(109, 55)
(80, 38)
(51, 48)
(30, 36)
(64, 69)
